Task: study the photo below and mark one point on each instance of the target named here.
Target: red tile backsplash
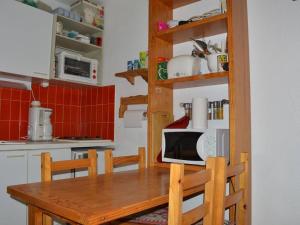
(87, 111)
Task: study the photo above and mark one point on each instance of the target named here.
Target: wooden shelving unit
(131, 74)
(73, 44)
(160, 92)
(198, 29)
(194, 81)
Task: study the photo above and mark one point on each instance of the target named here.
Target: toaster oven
(75, 67)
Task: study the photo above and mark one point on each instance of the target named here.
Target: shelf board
(177, 3)
(82, 28)
(202, 28)
(73, 44)
(131, 74)
(195, 81)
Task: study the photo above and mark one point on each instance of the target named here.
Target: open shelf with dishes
(81, 43)
(75, 45)
(81, 27)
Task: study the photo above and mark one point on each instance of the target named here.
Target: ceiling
(69, 2)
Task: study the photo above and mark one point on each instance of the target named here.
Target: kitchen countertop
(56, 144)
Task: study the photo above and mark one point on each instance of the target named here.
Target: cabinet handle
(38, 73)
(37, 155)
(15, 156)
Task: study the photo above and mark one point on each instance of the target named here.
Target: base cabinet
(20, 167)
(13, 170)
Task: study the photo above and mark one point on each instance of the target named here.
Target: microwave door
(182, 146)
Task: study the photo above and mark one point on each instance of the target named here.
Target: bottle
(214, 111)
(219, 111)
(209, 111)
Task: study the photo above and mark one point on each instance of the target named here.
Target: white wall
(126, 34)
(275, 87)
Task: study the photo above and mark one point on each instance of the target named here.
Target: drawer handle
(37, 155)
(15, 156)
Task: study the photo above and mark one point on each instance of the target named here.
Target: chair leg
(47, 220)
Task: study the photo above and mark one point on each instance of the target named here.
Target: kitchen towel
(134, 118)
(199, 117)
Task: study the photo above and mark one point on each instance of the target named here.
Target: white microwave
(194, 146)
(75, 67)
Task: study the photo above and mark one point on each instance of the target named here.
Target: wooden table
(92, 201)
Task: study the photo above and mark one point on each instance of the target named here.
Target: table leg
(35, 216)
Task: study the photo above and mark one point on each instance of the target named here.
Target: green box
(162, 71)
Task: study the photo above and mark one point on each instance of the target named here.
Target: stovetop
(80, 138)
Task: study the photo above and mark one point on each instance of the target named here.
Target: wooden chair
(215, 200)
(48, 167)
(112, 162)
(237, 198)
(213, 178)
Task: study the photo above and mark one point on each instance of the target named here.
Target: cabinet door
(34, 163)
(26, 39)
(13, 170)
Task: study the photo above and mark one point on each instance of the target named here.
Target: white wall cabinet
(26, 40)
(13, 170)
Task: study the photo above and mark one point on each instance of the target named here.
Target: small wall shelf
(133, 100)
(131, 74)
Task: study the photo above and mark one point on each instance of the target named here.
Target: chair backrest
(238, 178)
(48, 167)
(111, 162)
(213, 178)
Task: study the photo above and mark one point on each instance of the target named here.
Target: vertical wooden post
(142, 157)
(175, 194)
(34, 216)
(92, 155)
(242, 211)
(215, 191)
(108, 161)
(46, 175)
(46, 167)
